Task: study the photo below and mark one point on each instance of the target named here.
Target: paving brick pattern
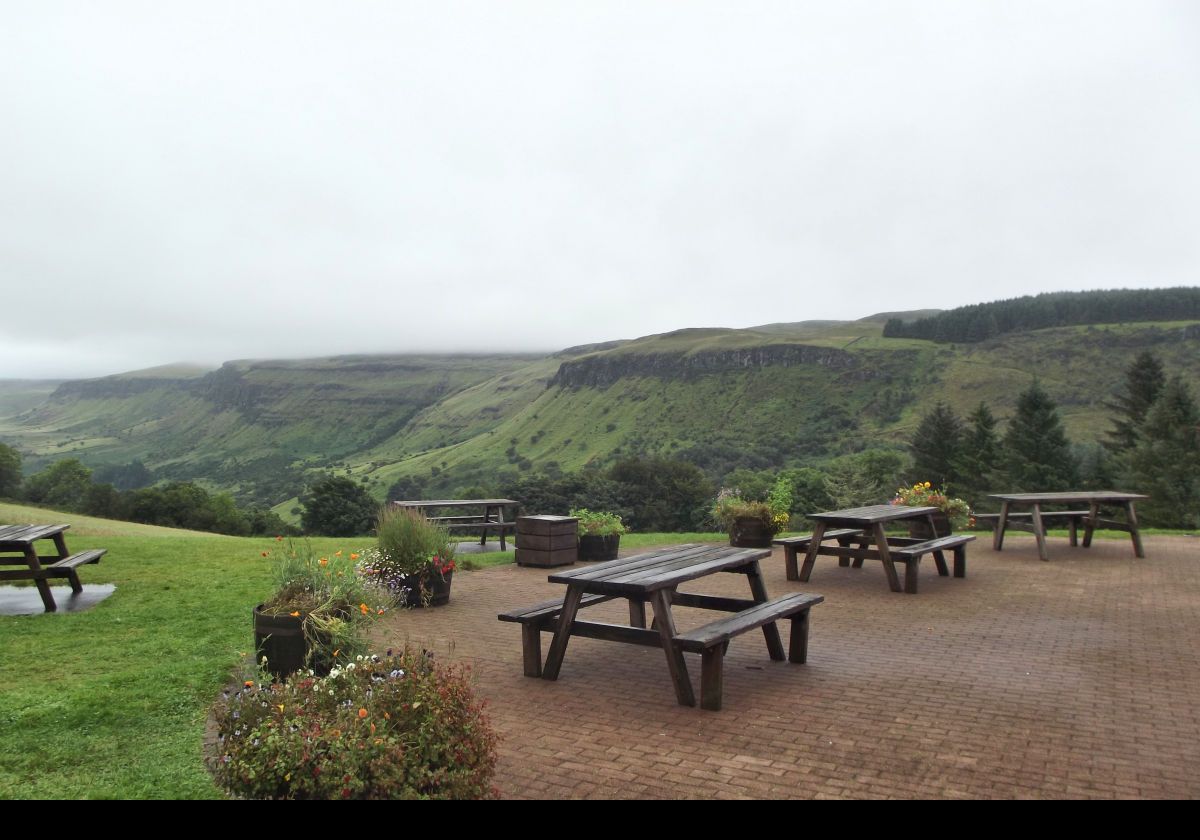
(1075, 678)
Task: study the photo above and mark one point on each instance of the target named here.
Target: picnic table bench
(489, 519)
(17, 548)
(654, 577)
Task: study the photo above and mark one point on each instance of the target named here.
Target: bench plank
(81, 559)
(724, 629)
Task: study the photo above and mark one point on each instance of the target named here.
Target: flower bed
(393, 727)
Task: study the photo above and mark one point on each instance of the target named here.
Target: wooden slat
(939, 544)
(548, 608)
(872, 514)
(722, 630)
(80, 559)
(660, 574)
(610, 632)
(805, 539)
(710, 602)
(599, 570)
(29, 533)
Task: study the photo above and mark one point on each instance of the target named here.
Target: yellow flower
(281, 707)
(337, 554)
(295, 614)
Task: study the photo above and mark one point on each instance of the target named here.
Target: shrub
(394, 727)
(598, 524)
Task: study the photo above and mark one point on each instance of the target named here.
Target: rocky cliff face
(602, 370)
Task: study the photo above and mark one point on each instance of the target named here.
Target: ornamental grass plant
(393, 727)
(409, 551)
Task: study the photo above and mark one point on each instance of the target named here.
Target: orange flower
(249, 684)
(324, 561)
(364, 609)
(295, 614)
(337, 553)
(265, 553)
(362, 713)
(353, 556)
(279, 539)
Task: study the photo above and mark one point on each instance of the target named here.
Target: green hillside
(786, 394)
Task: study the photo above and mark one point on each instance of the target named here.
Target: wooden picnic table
(18, 548)
(869, 521)
(490, 515)
(1090, 519)
(655, 577)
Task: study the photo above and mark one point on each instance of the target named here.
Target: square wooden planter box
(547, 540)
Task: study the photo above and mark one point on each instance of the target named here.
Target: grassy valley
(787, 394)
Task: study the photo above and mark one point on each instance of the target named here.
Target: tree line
(1152, 447)
(981, 321)
(68, 485)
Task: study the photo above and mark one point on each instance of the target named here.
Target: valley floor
(1075, 678)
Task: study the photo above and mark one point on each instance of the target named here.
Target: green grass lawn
(111, 703)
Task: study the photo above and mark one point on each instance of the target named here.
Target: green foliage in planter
(774, 512)
(394, 727)
(336, 603)
(598, 524)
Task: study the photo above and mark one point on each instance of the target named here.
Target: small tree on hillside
(10, 472)
(63, 485)
(979, 455)
(1038, 454)
(335, 506)
(1144, 381)
(1166, 462)
(935, 447)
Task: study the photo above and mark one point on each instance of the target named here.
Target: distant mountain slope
(778, 395)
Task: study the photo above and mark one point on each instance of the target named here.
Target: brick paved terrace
(1079, 677)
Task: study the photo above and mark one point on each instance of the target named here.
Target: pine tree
(935, 447)
(1037, 453)
(979, 454)
(1144, 381)
(1166, 461)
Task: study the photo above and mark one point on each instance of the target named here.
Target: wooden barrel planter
(431, 584)
(750, 532)
(281, 640)
(596, 547)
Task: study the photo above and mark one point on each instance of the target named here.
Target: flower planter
(281, 640)
(919, 528)
(750, 532)
(428, 589)
(597, 547)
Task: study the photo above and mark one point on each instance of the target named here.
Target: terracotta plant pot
(750, 532)
(597, 547)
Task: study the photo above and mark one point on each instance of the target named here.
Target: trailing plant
(922, 494)
(598, 524)
(333, 601)
(392, 727)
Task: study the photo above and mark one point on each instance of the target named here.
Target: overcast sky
(205, 181)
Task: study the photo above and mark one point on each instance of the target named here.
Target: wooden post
(675, 663)
(810, 557)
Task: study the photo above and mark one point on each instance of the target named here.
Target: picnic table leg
(845, 542)
(939, 560)
(637, 613)
(1073, 531)
(43, 586)
(960, 561)
(60, 545)
(932, 526)
(791, 563)
(1133, 530)
(770, 631)
(885, 555)
(1039, 531)
(1090, 526)
(558, 648)
(675, 663)
(1001, 524)
(798, 643)
(810, 556)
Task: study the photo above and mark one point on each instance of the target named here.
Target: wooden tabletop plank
(871, 514)
(456, 502)
(646, 573)
(29, 533)
(1070, 496)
